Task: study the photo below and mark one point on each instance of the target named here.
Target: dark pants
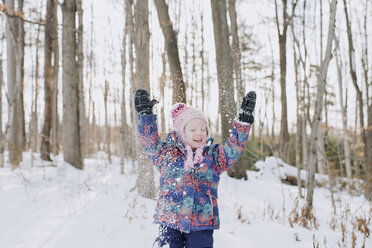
(177, 239)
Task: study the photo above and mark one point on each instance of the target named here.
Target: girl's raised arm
(147, 126)
(227, 154)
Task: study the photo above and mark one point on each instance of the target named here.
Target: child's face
(196, 133)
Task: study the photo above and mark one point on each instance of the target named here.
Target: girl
(190, 166)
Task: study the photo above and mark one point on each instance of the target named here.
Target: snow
(55, 205)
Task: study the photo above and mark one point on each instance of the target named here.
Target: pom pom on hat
(181, 114)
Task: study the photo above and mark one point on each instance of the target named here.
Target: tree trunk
(123, 121)
(272, 81)
(344, 119)
(238, 169)
(298, 117)
(304, 108)
(202, 62)
(2, 139)
(133, 85)
(15, 112)
(320, 153)
(227, 105)
(83, 122)
(368, 85)
(145, 173)
(71, 128)
(305, 156)
(20, 69)
(194, 79)
(369, 137)
(282, 35)
(322, 75)
(356, 142)
(33, 130)
(107, 126)
(236, 54)
(179, 90)
(48, 79)
(55, 119)
(163, 79)
(367, 161)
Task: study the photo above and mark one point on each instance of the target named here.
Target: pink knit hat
(181, 114)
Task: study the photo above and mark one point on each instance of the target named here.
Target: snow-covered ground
(57, 206)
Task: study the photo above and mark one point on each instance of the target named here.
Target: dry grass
(298, 217)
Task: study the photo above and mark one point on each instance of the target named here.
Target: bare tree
(33, 140)
(344, 116)
(71, 127)
(320, 153)
(2, 140)
(162, 81)
(282, 35)
(367, 158)
(236, 54)
(322, 75)
(298, 117)
(203, 60)
(145, 173)
(368, 86)
(107, 126)
(179, 90)
(131, 37)
(237, 170)
(55, 119)
(227, 106)
(123, 121)
(83, 122)
(50, 39)
(272, 81)
(14, 61)
(20, 67)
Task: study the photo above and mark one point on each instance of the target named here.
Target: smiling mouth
(197, 140)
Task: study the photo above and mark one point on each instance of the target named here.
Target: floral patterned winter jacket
(188, 199)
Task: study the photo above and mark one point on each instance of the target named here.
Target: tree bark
(107, 126)
(2, 139)
(368, 85)
(145, 173)
(238, 169)
(71, 127)
(236, 54)
(33, 130)
(162, 80)
(55, 119)
(227, 105)
(50, 39)
(20, 69)
(282, 35)
(320, 153)
(83, 122)
(133, 85)
(322, 75)
(344, 120)
(179, 89)
(15, 112)
(123, 121)
(298, 117)
(203, 62)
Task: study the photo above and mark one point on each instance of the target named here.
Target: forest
(69, 70)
